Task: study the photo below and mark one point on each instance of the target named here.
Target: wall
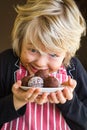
(82, 53)
(7, 16)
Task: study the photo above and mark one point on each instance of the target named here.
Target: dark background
(7, 17)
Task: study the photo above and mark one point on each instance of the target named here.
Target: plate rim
(45, 89)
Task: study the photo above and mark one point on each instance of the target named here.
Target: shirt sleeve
(7, 109)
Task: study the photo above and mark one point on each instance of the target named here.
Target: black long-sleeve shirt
(74, 111)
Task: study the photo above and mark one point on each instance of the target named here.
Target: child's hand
(42, 98)
(21, 97)
(66, 94)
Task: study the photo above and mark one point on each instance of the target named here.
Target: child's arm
(75, 110)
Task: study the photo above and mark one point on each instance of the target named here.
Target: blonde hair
(58, 24)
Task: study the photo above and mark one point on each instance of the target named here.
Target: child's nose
(42, 61)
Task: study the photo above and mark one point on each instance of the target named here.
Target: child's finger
(16, 85)
(72, 83)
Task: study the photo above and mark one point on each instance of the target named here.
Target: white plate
(45, 89)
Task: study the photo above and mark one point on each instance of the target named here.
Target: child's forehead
(42, 49)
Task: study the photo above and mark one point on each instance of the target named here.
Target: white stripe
(69, 128)
(11, 125)
(54, 116)
(64, 125)
(5, 126)
(29, 116)
(48, 116)
(35, 116)
(60, 122)
(42, 117)
(23, 127)
(17, 124)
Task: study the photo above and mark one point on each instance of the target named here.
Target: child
(46, 35)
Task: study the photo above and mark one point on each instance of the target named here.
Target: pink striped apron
(40, 117)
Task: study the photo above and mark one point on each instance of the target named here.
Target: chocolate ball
(50, 82)
(42, 73)
(41, 79)
(25, 80)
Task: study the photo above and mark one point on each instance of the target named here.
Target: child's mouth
(33, 69)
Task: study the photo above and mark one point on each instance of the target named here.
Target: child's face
(33, 60)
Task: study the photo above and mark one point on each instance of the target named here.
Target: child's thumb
(17, 84)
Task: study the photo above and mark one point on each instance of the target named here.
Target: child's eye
(53, 55)
(34, 50)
